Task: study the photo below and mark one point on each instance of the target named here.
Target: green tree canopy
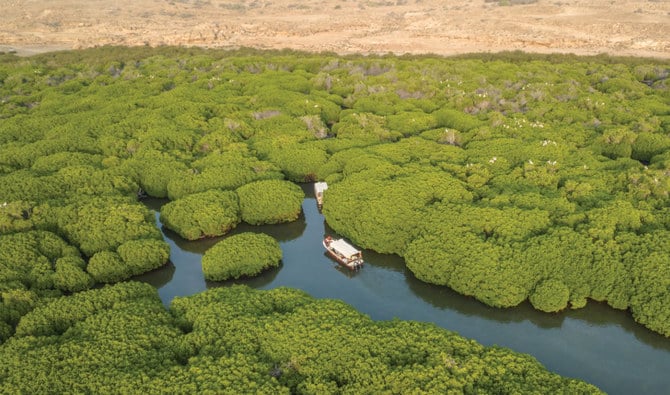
(244, 254)
(205, 214)
(234, 339)
(270, 202)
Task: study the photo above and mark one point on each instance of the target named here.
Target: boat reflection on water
(343, 270)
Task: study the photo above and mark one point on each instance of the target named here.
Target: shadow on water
(259, 281)
(281, 232)
(385, 261)
(444, 298)
(594, 314)
(348, 273)
(599, 314)
(158, 277)
(194, 246)
(597, 343)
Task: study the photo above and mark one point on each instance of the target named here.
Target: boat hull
(343, 261)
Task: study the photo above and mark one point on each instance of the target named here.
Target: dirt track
(639, 28)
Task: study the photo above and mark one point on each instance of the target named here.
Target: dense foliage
(100, 224)
(120, 339)
(205, 214)
(506, 177)
(243, 254)
(34, 265)
(131, 258)
(270, 202)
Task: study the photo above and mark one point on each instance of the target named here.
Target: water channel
(598, 344)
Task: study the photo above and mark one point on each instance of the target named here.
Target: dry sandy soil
(619, 27)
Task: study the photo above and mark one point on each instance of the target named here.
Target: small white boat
(344, 253)
(319, 188)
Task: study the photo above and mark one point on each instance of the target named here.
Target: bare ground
(619, 27)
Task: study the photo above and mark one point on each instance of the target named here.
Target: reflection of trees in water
(343, 270)
(195, 246)
(386, 261)
(282, 232)
(601, 314)
(327, 230)
(594, 313)
(154, 203)
(158, 277)
(445, 298)
(257, 282)
(308, 188)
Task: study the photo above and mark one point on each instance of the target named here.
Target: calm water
(597, 343)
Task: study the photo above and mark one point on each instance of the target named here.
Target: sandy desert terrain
(618, 27)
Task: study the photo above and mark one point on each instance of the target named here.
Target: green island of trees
(121, 339)
(507, 177)
(204, 214)
(270, 202)
(244, 254)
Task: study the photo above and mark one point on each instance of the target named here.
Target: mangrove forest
(510, 178)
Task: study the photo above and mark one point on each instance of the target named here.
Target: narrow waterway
(597, 343)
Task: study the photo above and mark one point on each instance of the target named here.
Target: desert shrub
(244, 254)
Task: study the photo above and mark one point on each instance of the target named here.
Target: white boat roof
(343, 247)
(320, 186)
